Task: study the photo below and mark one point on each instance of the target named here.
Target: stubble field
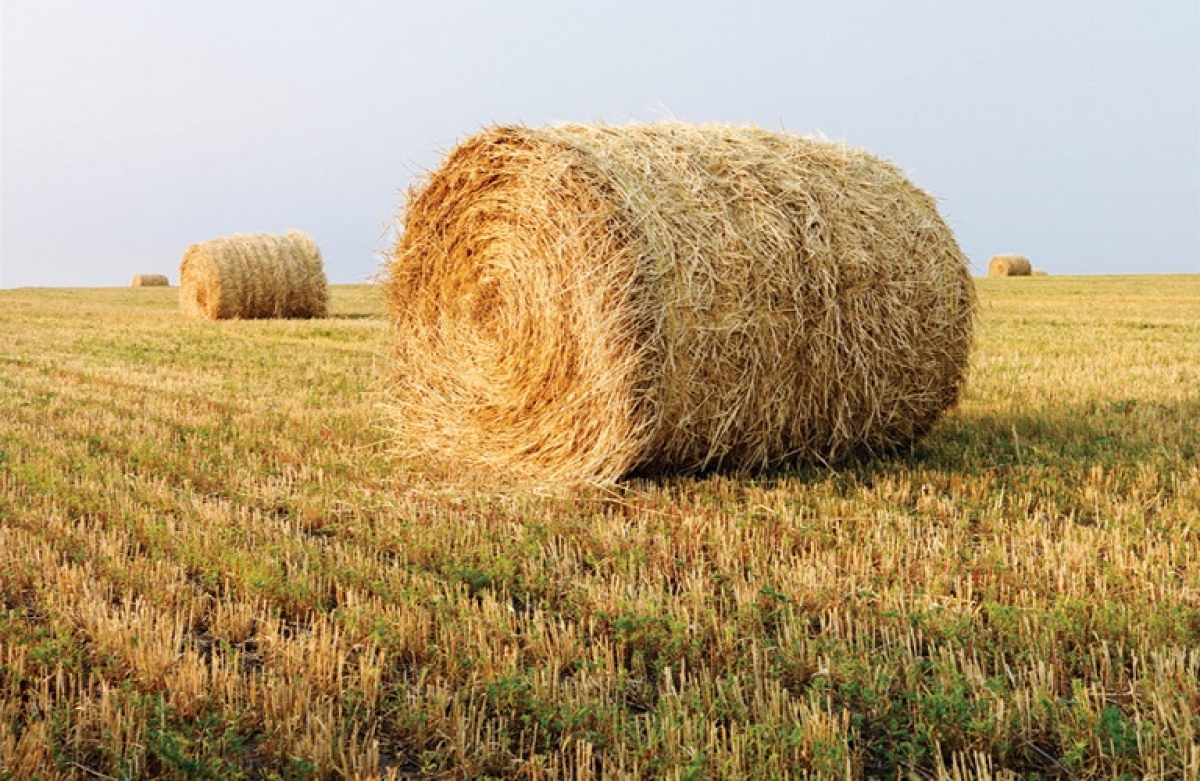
(211, 566)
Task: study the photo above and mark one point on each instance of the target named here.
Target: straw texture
(1010, 266)
(150, 280)
(582, 303)
(253, 276)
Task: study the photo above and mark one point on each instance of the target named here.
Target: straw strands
(253, 276)
(150, 280)
(582, 303)
(1010, 266)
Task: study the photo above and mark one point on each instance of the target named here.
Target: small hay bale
(1037, 272)
(253, 276)
(150, 280)
(1010, 266)
(582, 303)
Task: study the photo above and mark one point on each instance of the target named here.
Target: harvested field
(211, 566)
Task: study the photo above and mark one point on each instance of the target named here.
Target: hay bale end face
(582, 303)
(150, 280)
(1010, 266)
(253, 276)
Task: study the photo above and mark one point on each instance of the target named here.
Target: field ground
(211, 567)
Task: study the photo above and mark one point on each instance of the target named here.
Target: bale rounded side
(586, 302)
(1010, 266)
(251, 276)
(150, 280)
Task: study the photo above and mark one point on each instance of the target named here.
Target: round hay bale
(253, 276)
(582, 303)
(150, 280)
(1037, 272)
(1010, 266)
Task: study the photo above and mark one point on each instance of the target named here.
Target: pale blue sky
(1067, 131)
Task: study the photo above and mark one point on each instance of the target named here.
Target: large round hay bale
(1010, 266)
(253, 276)
(150, 280)
(582, 303)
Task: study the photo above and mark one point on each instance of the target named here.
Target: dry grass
(1009, 266)
(253, 276)
(585, 302)
(150, 280)
(210, 567)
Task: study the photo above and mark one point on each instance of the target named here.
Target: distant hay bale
(150, 280)
(253, 276)
(583, 303)
(1010, 266)
(1037, 272)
